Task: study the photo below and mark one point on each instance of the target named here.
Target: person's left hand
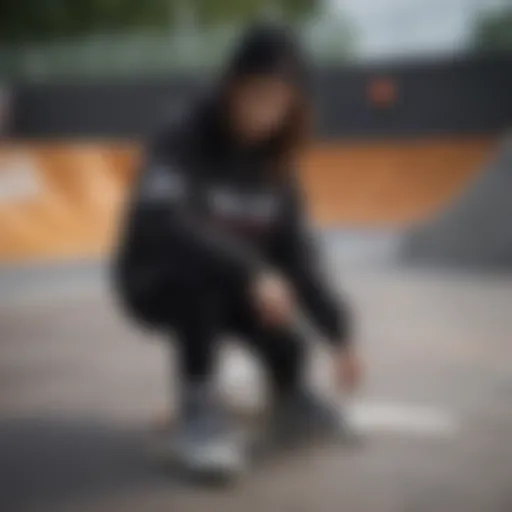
(348, 369)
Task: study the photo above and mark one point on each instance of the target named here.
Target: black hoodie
(207, 212)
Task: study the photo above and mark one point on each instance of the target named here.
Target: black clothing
(268, 49)
(207, 215)
(206, 317)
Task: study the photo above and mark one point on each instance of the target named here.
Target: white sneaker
(206, 442)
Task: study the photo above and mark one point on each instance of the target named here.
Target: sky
(404, 27)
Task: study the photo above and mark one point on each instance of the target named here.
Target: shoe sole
(198, 467)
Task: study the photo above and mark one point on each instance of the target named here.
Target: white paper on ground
(401, 418)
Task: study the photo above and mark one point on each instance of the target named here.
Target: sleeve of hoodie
(163, 213)
(298, 255)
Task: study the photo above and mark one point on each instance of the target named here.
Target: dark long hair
(283, 147)
(274, 50)
(290, 140)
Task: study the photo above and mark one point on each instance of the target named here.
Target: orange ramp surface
(62, 201)
(391, 183)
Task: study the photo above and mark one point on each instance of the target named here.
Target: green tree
(494, 33)
(234, 11)
(29, 20)
(47, 20)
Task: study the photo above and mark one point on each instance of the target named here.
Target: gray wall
(451, 96)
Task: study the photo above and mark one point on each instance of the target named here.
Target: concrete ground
(78, 388)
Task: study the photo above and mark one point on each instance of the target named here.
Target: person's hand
(348, 369)
(273, 299)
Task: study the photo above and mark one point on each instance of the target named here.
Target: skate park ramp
(389, 184)
(61, 202)
(80, 386)
(65, 201)
(476, 229)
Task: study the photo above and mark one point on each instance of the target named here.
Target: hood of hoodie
(264, 49)
(269, 49)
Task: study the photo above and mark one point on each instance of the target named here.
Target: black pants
(202, 316)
